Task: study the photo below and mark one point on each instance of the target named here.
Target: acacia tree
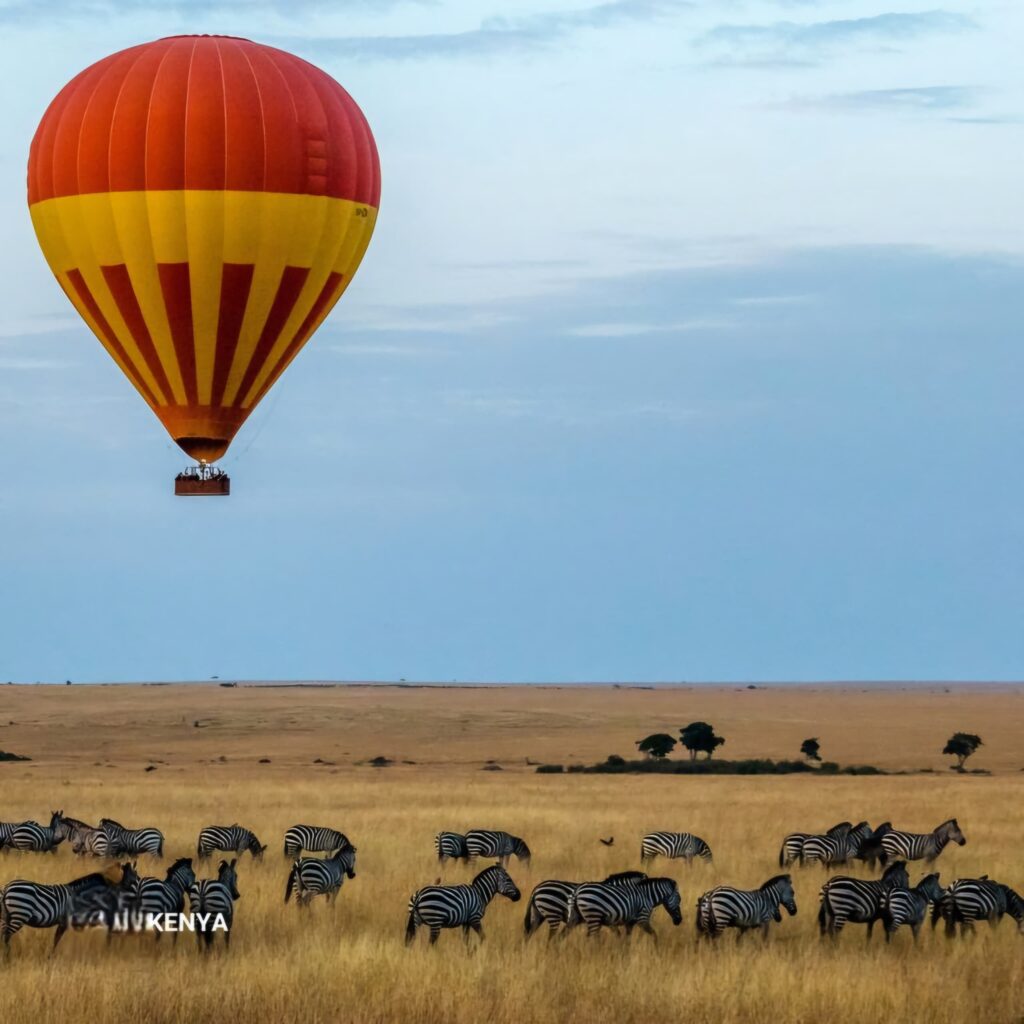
(809, 748)
(657, 745)
(961, 745)
(700, 737)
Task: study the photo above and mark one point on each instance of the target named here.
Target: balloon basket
(202, 480)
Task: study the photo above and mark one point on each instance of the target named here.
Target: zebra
(311, 877)
(230, 838)
(458, 906)
(163, 895)
(30, 835)
(846, 899)
(829, 851)
(597, 905)
(102, 908)
(725, 907)
(7, 831)
(871, 849)
(793, 844)
(902, 906)
(549, 901)
(977, 899)
(917, 846)
(313, 839)
(215, 896)
(673, 844)
(42, 906)
(450, 846)
(482, 842)
(87, 839)
(131, 841)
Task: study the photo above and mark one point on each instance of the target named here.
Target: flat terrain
(90, 746)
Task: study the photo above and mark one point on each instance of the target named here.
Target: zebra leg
(915, 930)
(871, 928)
(58, 935)
(646, 925)
(465, 934)
(434, 933)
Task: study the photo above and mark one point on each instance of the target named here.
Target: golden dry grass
(350, 964)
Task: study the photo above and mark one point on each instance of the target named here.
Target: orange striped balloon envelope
(203, 201)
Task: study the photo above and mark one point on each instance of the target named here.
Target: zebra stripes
(458, 906)
(450, 846)
(311, 877)
(34, 905)
(793, 845)
(229, 838)
(32, 837)
(549, 901)
(725, 907)
(482, 842)
(921, 846)
(829, 851)
(969, 900)
(673, 845)
(7, 831)
(313, 839)
(215, 896)
(902, 906)
(86, 840)
(845, 899)
(163, 895)
(631, 905)
(124, 842)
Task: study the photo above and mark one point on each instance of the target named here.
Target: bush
(550, 769)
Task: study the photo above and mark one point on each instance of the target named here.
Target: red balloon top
(204, 112)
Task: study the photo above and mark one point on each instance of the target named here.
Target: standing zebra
(829, 851)
(163, 895)
(103, 908)
(450, 846)
(7, 831)
(846, 899)
(725, 907)
(483, 842)
(918, 846)
(311, 877)
(313, 839)
(549, 901)
(598, 905)
(30, 835)
(230, 838)
(132, 841)
(977, 899)
(86, 839)
(793, 844)
(458, 906)
(42, 906)
(672, 845)
(908, 906)
(215, 896)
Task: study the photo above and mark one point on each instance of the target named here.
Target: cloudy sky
(688, 347)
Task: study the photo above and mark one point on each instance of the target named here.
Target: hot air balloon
(203, 201)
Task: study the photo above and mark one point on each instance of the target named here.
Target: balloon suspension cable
(202, 479)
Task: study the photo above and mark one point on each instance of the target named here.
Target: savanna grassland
(91, 745)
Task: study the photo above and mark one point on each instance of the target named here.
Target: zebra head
(227, 875)
(896, 875)
(181, 872)
(930, 888)
(951, 830)
(1014, 907)
(521, 850)
(664, 892)
(496, 881)
(781, 888)
(61, 828)
(255, 848)
(129, 876)
(346, 857)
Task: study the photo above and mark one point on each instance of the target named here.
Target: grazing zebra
(598, 905)
(132, 841)
(977, 899)
(902, 906)
(102, 908)
(725, 907)
(163, 895)
(549, 901)
(846, 899)
(673, 844)
(458, 906)
(311, 877)
(30, 835)
(215, 896)
(829, 851)
(313, 839)
(917, 846)
(482, 842)
(450, 846)
(230, 838)
(793, 844)
(42, 906)
(86, 839)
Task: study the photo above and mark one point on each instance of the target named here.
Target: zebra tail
(292, 878)
(410, 925)
(574, 917)
(782, 856)
(528, 921)
(823, 913)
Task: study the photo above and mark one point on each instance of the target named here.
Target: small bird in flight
(610, 841)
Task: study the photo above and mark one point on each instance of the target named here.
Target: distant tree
(700, 737)
(658, 745)
(809, 748)
(961, 745)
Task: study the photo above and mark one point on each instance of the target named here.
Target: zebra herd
(620, 902)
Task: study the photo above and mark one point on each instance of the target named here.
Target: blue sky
(688, 347)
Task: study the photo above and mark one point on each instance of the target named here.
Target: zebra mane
(946, 824)
(519, 848)
(494, 871)
(776, 880)
(625, 876)
(181, 862)
(95, 879)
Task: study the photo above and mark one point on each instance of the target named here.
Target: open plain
(209, 748)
